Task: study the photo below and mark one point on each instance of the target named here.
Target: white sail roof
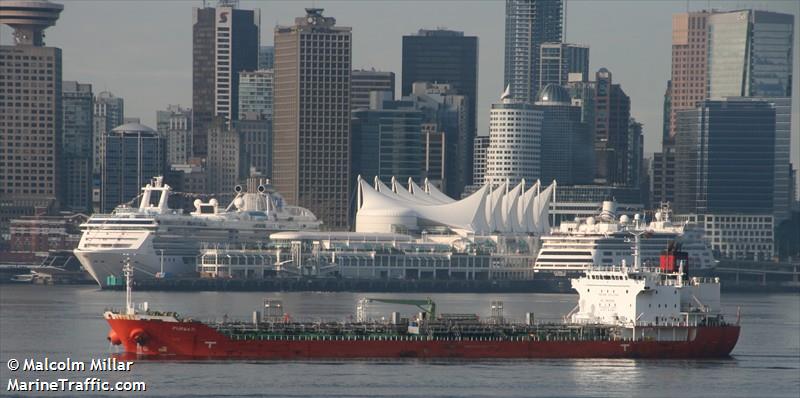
(419, 192)
(401, 191)
(437, 194)
(486, 211)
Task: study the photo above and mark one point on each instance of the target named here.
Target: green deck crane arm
(428, 306)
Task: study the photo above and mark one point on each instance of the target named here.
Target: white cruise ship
(163, 241)
(605, 241)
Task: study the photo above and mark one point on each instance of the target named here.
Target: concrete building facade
(311, 166)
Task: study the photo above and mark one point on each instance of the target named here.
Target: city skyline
(166, 75)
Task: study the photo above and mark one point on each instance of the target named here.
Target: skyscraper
(134, 153)
(225, 42)
(750, 54)
(448, 57)
(529, 23)
(725, 158)
(783, 138)
(223, 163)
(557, 61)
(311, 166)
(515, 140)
(387, 140)
(255, 94)
(566, 142)
(363, 82)
(446, 111)
(109, 113)
(78, 104)
(612, 115)
(689, 64)
(175, 125)
(256, 148)
(30, 143)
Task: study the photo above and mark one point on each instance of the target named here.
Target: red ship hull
(197, 340)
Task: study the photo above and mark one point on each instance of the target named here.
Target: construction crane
(427, 306)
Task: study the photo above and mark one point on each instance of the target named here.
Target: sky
(142, 50)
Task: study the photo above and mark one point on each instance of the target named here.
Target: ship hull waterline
(195, 340)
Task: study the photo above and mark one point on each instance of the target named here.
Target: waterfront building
(77, 101)
(566, 142)
(736, 236)
(713, 174)
(175, 125)
(557, 61)
(450, 58)
(750, 54)
(266, 57)
(311, 165)
(363, 82)
(612, 115)
(529, 23)
(515, 142)
(30, 178)
(387, 140)
(134, 153)
(35, 236)
(225, 41)
(583, 201)
(255, 94)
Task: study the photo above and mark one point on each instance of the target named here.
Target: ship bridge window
(206, 209)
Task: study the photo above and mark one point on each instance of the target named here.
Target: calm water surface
(64, 321)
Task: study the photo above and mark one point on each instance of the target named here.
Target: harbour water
(60, 322)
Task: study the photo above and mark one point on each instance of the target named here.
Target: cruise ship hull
(104, 264)
(196, 340)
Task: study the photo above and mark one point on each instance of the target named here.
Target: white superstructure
(163, 240)
(633, 296)
(605, 240)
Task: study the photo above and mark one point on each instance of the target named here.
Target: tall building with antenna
(31, 114)
(311, 103)
(225, 41)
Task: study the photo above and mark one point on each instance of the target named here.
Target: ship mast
(128, 272)
(637, 244)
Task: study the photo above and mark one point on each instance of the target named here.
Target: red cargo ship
(622, 313)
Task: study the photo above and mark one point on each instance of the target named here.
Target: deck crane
(427, 305)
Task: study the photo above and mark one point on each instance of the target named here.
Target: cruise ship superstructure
(606, 240)
(161, 240)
